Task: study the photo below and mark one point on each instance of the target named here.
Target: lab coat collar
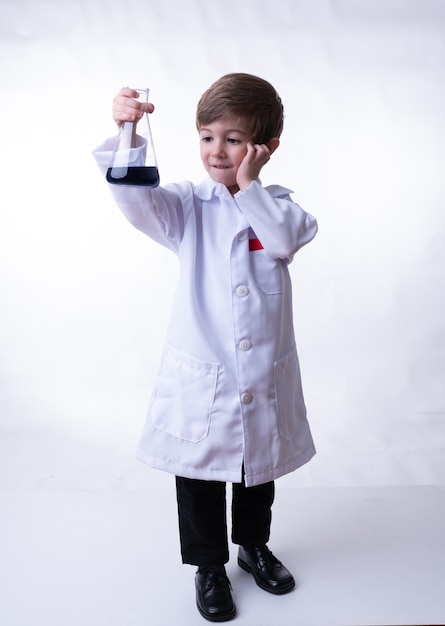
(208, 188)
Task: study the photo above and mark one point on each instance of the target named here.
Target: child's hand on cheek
(257, 155)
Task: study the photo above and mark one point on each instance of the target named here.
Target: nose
(218, 148)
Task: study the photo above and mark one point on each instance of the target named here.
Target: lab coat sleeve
(281, 225)
(156, 212)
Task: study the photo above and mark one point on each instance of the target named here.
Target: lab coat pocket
(289, 395)
(268, 272)
(183, 398)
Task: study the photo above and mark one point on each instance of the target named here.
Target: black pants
(203, 522)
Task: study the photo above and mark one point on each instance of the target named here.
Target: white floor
(373, 556)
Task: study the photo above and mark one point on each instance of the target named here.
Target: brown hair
(247, 96)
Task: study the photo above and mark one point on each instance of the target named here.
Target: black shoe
(269, 573)
(213, 596)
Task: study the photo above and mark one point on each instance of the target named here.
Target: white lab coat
(228, 395)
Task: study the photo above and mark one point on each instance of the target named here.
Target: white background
(88, 536)
(85, 298)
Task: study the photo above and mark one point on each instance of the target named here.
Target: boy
(228, 404)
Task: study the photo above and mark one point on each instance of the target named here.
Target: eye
(206, 139)
(233, 140)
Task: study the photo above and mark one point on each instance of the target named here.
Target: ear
(273, 144)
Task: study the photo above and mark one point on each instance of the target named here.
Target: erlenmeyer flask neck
(133, 161)
(143, 94)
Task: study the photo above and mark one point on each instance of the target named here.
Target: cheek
(202, 150)
(240, 156)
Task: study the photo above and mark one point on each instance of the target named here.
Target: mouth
(218, 166)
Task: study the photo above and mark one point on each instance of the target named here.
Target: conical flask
(133, 161)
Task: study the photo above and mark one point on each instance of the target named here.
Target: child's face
(223, 148)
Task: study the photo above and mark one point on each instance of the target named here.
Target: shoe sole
(215, 617)
(278, 591)
(218, 617)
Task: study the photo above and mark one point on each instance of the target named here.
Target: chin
(228, 182)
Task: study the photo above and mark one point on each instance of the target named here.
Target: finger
(262, 154)
(128, 91)
(148, 107)
(131, 110)
(256, 155)
(127, 108)
(262, 149)
(251, 152)
(129, 103)
(126, 112)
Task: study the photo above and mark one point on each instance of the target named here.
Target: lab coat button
(245, 344)
(242, 236)
(242, 291)
(246, 398)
